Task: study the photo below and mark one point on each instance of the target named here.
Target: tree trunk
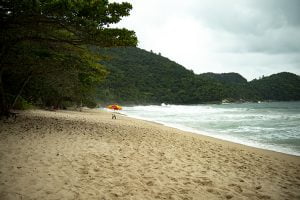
(21, 90)
(3, 106)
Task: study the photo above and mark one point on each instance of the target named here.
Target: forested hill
(229, 78)
(282, 86)
(137, 76)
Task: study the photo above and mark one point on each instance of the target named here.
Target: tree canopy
(283, 86)
(140, 77)
(45, 54)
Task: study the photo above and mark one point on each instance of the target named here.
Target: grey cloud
(285, 40)
(248, 16)
(266, 26)
(286, 10)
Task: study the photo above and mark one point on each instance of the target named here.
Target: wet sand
(87, 155)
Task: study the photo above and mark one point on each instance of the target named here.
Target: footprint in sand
(213, 191)
(229, 196)
(203, 181)
(150, 183)
(236, 187)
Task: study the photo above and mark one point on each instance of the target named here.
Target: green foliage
(45, 49)
(236, 86)
(22, 104)
(226, 78)
(140, 77)
(282, 86)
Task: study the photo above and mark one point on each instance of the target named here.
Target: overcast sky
(250, 37)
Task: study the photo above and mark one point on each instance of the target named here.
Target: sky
(250, 37)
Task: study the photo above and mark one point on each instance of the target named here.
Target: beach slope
(87, 155)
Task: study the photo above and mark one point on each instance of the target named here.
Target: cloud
(251, 37)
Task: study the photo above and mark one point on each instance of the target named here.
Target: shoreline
(205, 134)
(87, 155)
(212, 134)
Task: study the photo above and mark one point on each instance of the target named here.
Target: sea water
(267, 125)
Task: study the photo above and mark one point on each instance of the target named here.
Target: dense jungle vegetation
(140, 77)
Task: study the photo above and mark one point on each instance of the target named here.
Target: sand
(87, 155)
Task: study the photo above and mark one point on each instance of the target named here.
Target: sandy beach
(87, 155)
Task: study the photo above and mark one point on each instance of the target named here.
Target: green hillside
(226, 78)
(282, 86)
(137, 76)
(235, 85)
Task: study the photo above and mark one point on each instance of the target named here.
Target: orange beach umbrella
(114, 107)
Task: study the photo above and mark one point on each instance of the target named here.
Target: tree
(45, 46)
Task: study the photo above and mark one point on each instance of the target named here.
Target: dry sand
(87, 155)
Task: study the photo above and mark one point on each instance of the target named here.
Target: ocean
(267, 125)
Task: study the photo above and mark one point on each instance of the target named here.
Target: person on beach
(114, 107)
